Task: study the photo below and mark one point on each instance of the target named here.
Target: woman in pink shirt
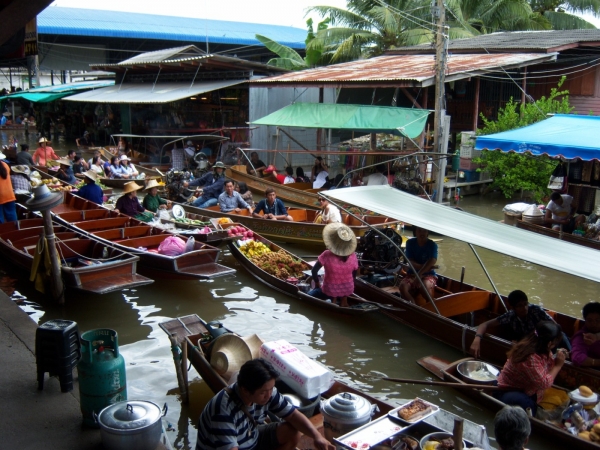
(43, 153)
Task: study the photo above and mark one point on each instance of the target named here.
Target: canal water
(359, 350)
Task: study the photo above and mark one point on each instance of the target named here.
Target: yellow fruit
(585, 391)
(585, 435)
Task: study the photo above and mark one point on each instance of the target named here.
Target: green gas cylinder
(101, 372)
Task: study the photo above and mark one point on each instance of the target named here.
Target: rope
(83, 256)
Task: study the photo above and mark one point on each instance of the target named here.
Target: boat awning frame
(150, 93)
(521, 244)
(566, 136)
(408, 122)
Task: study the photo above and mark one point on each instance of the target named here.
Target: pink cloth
(338, 281)
(531, 376)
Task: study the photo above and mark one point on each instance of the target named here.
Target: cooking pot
(345, 412)
(131, 425)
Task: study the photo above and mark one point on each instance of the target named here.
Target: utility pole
(441, 50)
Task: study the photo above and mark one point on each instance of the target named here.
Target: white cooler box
(306, 377)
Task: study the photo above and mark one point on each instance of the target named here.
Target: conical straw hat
(339, 239)
(230, 351)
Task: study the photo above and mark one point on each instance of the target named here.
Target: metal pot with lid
(345, 412)
(131, 425)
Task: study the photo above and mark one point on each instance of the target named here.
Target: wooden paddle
(434, 365)
(443, 383)
(381, 305)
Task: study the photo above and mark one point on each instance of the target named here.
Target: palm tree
(559, 13)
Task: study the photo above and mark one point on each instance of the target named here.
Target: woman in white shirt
(329, 212)
(97, 165)
(127, 169)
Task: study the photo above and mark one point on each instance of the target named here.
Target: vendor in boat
(271, 207)
(129, 204)
(340, 264)
(512, 428)
(23, 157)
(235, 418)
(90, 190)
(329, 213)
(531, 368)
(561, 212)
(211, 184)
(19, 177)
(65, 172)
(255, 166)
(422, 252)
(516, 323)
(230, 200)
(128, 170)
(44, 153)
(586, 342)
(243, 190)
(152, 201)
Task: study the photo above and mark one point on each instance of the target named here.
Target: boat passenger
(300, 177)
(318, 166)
(44, 153)
(91, 191)
(512, 428)
(377, 178)
(79, 165)
(235, 417)
(586, 342)
(8, 211)
(211, 184)
(531, 367)
(271, 207)
(422, 252)
(114, 169)
(65, 171)
(338, 182)
(129, 204)
(152, 201)
(329, 213)
(255, 166)
(122, 147)
(97, 165)
(23, 157)
(340, 264)
(128, 170)
(515, 324)
(246, 193)
(85, 140)
(19, 177)
(230, 200)
(561, 212)
(322, 180)
(282, 179)
(91, 160)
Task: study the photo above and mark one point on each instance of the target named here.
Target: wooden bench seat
(460, 303)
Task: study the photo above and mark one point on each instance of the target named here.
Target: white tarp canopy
(150, 93)
(543, 250)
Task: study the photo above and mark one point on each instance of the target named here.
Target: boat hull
(574, 239)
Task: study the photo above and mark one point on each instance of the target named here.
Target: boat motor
(377, 253)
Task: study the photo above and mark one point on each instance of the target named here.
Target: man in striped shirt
(234, 419)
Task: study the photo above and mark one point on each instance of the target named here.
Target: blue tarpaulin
(563, 135)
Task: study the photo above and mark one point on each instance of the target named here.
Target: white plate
(178, 212)
(393, 414)
(575, 395)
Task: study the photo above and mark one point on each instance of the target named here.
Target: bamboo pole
(176, 359)
(185, 396)
(56, 283)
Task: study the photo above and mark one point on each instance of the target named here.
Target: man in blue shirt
(211, 184)
(271, 207)
(230, 200)
(65, 173)
(91, 191)
(422, 252)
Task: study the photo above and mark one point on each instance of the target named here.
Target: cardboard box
(306, 377)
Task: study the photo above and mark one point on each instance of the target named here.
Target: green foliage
(513, 172)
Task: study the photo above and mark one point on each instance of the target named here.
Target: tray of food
(413, 411)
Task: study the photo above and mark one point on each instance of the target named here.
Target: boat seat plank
(103, 224)
(460, 303)
(115, 283)
(110, 235)
(299, 215)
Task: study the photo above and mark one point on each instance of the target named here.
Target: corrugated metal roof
(398, 70)
(150, 93)
(543, 41)
(98, 23)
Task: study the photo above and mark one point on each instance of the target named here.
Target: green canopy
(38, 97)
(371, 119)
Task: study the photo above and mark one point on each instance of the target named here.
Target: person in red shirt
(44, 153)
(531, 368)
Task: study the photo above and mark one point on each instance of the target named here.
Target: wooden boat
(542, 427)
(86, 264)
(191, 332)
(149, 174)
(358, 305)
(299, 193)
(63, 185)
(301, 231)
(547, 231)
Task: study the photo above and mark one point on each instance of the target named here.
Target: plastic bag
(172, 246)
(189, 245)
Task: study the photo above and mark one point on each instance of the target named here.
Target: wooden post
(476, 105)
(185, 396)
(176, 360)
(56, 283)
(457, 433)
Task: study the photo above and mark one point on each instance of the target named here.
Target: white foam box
(306, 377)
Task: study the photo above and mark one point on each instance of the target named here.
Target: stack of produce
(253, 248)
(280, 264)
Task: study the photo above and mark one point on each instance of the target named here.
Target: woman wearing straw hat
(65, 172)
(152, 201)
(91, 191)
(19, 178)
(340, 264)
(8, 212)
(129, 204)
(44, 153)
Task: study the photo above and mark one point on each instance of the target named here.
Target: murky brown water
(359, 350)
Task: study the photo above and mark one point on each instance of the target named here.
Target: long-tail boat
(301, 231)
(298, 193)
(120, 182)
(568, 237)
(193, 333)
(86, 264)
(543, 427)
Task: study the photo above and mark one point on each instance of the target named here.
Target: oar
(443, 383)
(381, 305)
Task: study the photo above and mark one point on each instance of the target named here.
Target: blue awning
(561, 136)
